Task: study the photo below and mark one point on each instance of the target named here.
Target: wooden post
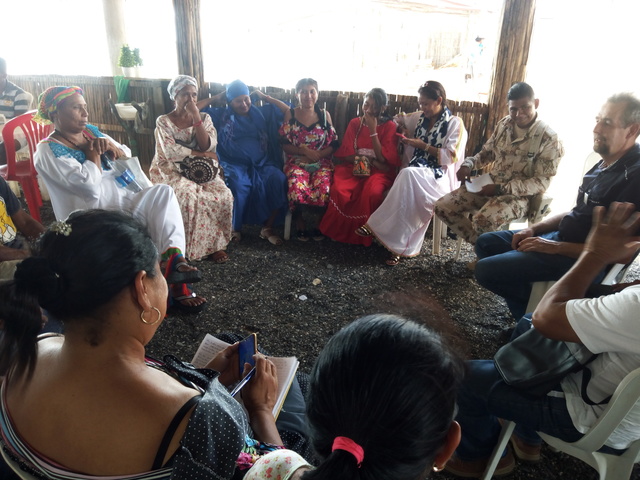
(115, 30)
(189, 40)
(510, 63)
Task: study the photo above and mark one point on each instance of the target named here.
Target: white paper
(478, 182)
(286, 367)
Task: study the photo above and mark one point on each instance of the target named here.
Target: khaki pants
(488, 214)
(8, 268)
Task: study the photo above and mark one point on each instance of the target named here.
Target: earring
(437, 469)
(150, 323)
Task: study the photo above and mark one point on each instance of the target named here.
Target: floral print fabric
(206, 208)
(310, 185)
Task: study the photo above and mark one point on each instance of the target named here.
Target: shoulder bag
(535, 364)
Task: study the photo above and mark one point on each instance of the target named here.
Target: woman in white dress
(433, 138)
(76, 164)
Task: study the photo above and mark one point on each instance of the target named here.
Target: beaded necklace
(68, 140)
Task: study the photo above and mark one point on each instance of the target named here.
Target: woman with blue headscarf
(250, 153)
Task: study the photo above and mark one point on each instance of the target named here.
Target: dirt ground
(275, 292)
(295, 297)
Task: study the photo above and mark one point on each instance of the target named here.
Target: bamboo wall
(342, 106)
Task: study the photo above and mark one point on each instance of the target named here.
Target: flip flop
(173, 275)
(176, 305)
(219, 257)
(236, 236)
(267, 234)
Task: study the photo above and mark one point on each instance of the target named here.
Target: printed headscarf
(50, 99)
(179, 83)
(235, 89)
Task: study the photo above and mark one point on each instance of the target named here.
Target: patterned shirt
(506, 153)
(14, 101)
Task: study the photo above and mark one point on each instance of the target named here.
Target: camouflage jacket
(506, 159)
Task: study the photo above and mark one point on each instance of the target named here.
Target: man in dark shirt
(511, 260)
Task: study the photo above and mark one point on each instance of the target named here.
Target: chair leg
(505, 435)
(287, 225)
(32, 197)
(437, 235)
(458, 248)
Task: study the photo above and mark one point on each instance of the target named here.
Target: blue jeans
(510, 273)
(485, 397)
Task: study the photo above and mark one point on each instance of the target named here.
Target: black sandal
(176, 276)
(302, 235)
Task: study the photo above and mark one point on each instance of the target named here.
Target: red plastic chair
(24, 172)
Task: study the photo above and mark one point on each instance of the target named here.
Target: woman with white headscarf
(186, 135)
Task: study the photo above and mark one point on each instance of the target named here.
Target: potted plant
(129, 59)
(137, 61)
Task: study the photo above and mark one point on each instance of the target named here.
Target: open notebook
(286, 367)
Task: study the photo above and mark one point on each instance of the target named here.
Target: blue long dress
(250, 153)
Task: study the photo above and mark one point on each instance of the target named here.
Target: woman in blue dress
(249, 152)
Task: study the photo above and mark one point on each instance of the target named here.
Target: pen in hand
(243, 382)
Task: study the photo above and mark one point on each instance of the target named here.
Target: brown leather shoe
(475, 468)
(525, 451)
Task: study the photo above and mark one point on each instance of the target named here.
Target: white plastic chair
(15, 467)
(609, 467)
(539, 207)
(616, 274)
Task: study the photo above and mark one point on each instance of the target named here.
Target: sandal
(173, 274)
(236, 236)
(302, 235)
(175, 303)
(317, 235)
(393, 260)
(364, 231)
(267, 234)
(219, 257)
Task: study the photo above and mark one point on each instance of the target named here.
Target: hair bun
(34, 275)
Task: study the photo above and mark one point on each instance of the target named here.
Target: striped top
(14, 101)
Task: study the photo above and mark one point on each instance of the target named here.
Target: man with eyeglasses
(509, 261)
(518, 161)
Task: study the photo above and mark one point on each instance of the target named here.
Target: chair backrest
(622, 402)
(15, 467)
(33, 132)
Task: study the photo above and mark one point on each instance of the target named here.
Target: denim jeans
(510, 273)
(485, 397)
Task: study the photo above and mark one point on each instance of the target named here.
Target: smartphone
(246, 350)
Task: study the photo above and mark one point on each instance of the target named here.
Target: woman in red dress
(354, 197)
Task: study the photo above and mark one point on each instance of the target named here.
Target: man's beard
(601, 148)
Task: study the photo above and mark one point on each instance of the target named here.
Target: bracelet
(197, 124)
(374, 134)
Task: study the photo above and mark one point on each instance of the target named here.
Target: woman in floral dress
(309, 140)
(207, 208)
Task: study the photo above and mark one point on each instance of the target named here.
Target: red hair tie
(348, 445)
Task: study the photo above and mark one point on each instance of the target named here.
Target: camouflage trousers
(469, 215)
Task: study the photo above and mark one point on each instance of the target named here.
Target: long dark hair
(432, 90)
(381, 99)
(78, 266)
(389, 385)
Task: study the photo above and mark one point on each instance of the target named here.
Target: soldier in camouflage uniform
(521, 157)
